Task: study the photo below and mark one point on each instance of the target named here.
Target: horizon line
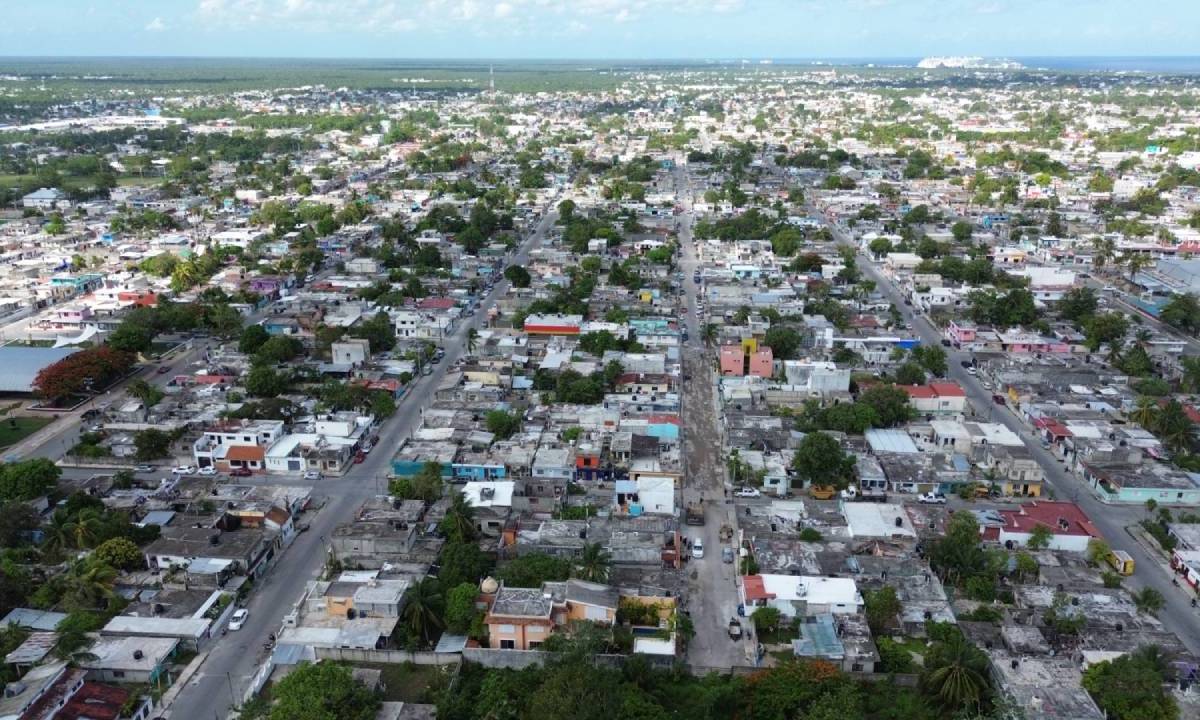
(699, 59)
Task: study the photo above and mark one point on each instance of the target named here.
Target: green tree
(121, 553)
(252, 339)
(819, 460)
(462, 562)
(933, 359)
(459, 522)
(766, 619)
(593, 563)
(322, 691)
(502, 424)
(957, 555)
(1182, 312)
(131, 337)
(910, 373)
(783, 341)
(152, 444)
(1131, 687)
(423, 608)
(962, 231)
(890, 403)
(264, 382)
(278, 349)
(533, 569)
(1078, 304)
(28, 479)
(1106, 328)
(461, 612)
(1040, 537)
(882, 608)
(1149, 601)
(518, 276)
(956, 672)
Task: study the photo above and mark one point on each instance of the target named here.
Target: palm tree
(472, 335)
(1142, 336)
(459, 522)
(57, 534)
(1103, 249)
(422, 603)
(1148, 600)
(141, 390)
(1145, 412)
(1173, 425)
(1136, 262)
(594, 563)
(89, 585)
(1190, 373)
(84, 526)
(956, 671)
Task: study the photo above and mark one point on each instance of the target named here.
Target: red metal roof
(755, 588)
(948, 389)
(921, 392)
(1074, 521)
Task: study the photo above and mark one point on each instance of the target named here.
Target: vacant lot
(14, 430)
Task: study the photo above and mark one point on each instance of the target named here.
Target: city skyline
(601, 29)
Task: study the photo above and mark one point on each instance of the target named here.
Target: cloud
(156, 25)
(478, 16)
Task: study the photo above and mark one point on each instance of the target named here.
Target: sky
(578, 29)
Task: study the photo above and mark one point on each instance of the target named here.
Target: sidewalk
(180, 683)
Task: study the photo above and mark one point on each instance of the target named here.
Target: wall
(389, 656)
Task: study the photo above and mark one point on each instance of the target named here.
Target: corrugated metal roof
(22, 364)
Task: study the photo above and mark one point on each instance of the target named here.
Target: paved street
(233, 662)
(1178, 615)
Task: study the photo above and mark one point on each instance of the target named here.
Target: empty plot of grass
(14, 430)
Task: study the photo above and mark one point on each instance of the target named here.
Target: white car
(312, 475)
(747, 492)
(239, 619)
(184, 470)
(697, 548)
(932, 498)
(207, 470)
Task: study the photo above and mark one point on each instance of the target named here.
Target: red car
(358, 458)
(240, 472)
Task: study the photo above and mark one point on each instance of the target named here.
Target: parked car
(144, 469)
(312, 475)
(931, 498)
(966, 363)
(239, 619)
(747, 492)
(359, 458)
(240, 472)
(945, 342)
(727, 555)
(697, 548)
(208, 470)
(971, 370)
(163, 370)
(184, 470)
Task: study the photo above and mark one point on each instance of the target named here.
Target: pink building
(762, 363)
(733, 361)
(960, 333)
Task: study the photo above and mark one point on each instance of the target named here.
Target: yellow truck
(1121, 562)
(822, 492)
